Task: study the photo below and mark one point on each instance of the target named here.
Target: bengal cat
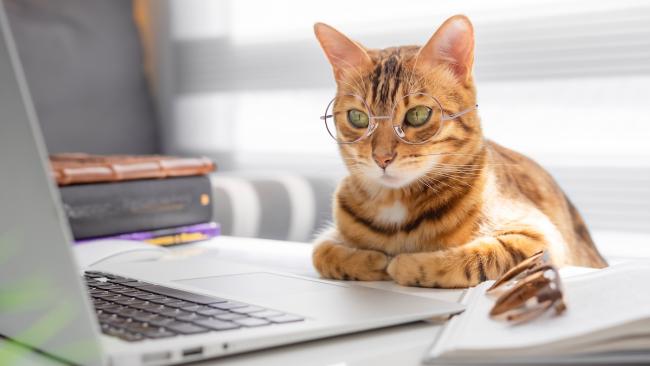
(451, 212)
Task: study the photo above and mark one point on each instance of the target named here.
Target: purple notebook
(169, 236)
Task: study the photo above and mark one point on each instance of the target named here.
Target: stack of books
(162, 200)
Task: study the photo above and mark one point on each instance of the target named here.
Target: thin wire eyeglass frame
(397, 129)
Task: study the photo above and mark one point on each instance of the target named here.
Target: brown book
(75, 168)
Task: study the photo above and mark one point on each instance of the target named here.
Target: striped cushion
(287, 207)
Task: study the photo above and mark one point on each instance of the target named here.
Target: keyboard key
(102, 294)
(113, 298)
(149, 306)
(115, 320)
(164, 300)
(143, 316)
(247, 309)
(102, 316)
(159, 333)
(229, 305)
(252, 322)
(130, 301)
(185, 328)
(208, 311)
(183, 295)
(137, 293)
(122, 290)
(126, 312)
(179, 304)
(286, 318)
(113, 308)
(138, 327)
(215, 324)
(148, 297)
(193, 307)
(171, 312)
(192, 317)
(230, 316)
(267, 314)
(161, 321)
(135, 284)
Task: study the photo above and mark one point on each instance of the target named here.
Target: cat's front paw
(340, 262)
(429, 270)
(406, 271)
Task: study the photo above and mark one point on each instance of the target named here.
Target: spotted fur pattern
(450, 213)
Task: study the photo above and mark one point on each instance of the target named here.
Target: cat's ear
(453, 45)
(343, 53)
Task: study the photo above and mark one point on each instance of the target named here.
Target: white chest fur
(392, 214)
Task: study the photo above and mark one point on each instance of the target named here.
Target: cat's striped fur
(452, 212)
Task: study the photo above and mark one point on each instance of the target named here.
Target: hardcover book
(75, 168)
(105, 209)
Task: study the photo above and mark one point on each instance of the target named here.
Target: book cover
(105, 209)
(170, 236)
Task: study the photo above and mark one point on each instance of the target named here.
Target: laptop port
(192, 352)
(156, 357)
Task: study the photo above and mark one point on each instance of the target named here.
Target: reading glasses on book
(420, 123)
(527, 290)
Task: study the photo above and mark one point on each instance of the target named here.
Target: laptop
(147, 313)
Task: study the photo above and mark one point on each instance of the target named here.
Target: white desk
(400, 345)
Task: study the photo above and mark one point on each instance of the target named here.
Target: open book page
(611, 299)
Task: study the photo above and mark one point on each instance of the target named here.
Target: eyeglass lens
(415, 119)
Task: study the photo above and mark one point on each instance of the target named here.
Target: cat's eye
(357, 118)
(420, 124)
(417, 116)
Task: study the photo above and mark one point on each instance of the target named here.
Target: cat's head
(399, 83)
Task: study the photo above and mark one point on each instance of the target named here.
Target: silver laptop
(147, 313)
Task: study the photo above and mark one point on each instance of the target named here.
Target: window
(566, 82)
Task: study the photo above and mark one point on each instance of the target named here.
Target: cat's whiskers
(420, 180)
(450, 176)
(434, 180)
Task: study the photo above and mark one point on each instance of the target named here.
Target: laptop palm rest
(256, 285)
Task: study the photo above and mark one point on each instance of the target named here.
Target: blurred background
(566, 82)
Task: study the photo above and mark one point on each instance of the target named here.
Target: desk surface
(403, 345)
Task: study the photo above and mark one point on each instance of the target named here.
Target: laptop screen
(42, 302)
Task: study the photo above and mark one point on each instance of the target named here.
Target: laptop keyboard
(133, 310)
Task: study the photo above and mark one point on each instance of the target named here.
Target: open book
(607, 321)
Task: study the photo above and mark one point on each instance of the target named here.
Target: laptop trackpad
(258, 285)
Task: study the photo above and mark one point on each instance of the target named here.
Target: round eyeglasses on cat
(421, 123)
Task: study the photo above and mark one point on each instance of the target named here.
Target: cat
(448, 213)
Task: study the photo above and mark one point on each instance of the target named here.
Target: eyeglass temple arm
(458, 114)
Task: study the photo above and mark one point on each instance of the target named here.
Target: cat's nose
(383, 160)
